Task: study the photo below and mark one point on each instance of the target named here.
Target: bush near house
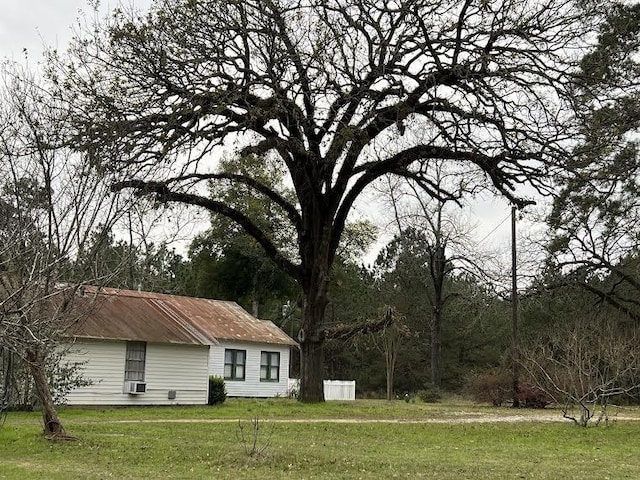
(217, 390)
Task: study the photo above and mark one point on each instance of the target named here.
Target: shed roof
(160, 318)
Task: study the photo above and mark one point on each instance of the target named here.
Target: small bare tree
(253, 438)
(388, 341)
(443, 243)
(52, 203)
(583, 366)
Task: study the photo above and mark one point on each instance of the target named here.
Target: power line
(495, 228)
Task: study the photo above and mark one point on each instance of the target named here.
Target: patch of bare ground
(476, 418)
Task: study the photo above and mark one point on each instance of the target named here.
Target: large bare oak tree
(335, 90)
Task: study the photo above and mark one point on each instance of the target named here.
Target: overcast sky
(32, 24)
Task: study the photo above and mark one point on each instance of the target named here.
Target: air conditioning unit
(135, 388)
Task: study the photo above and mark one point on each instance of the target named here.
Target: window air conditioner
(135, 388)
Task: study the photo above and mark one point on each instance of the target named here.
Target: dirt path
(555, 417)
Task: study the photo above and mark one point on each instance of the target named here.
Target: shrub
(531, 396)
(217, 390)
(66, 377)
(430, 394)
(492, 386)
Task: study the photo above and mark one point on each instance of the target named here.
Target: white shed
(142, 348)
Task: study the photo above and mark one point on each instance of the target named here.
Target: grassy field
(373, 439)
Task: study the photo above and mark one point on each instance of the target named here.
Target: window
(269, 366)
(234, 361)
(134, 361)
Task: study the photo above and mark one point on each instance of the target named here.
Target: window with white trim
(135, 359)
(269, 366)
(234, 362)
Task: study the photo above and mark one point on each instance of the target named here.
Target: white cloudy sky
(32, 24)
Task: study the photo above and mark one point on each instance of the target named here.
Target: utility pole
(514, 312)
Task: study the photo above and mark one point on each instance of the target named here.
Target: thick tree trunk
(312, 335)
(52, 425)
(311, 338)
(311, 371)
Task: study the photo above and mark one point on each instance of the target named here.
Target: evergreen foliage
(217, 390)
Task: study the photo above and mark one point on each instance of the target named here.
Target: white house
(142, 348)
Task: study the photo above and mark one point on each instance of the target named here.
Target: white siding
(251, 386)
(182, 368)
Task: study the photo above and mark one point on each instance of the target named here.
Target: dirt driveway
(474, 418)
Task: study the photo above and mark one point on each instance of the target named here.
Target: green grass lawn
(113, 445)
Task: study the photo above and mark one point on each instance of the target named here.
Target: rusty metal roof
(160, 318)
